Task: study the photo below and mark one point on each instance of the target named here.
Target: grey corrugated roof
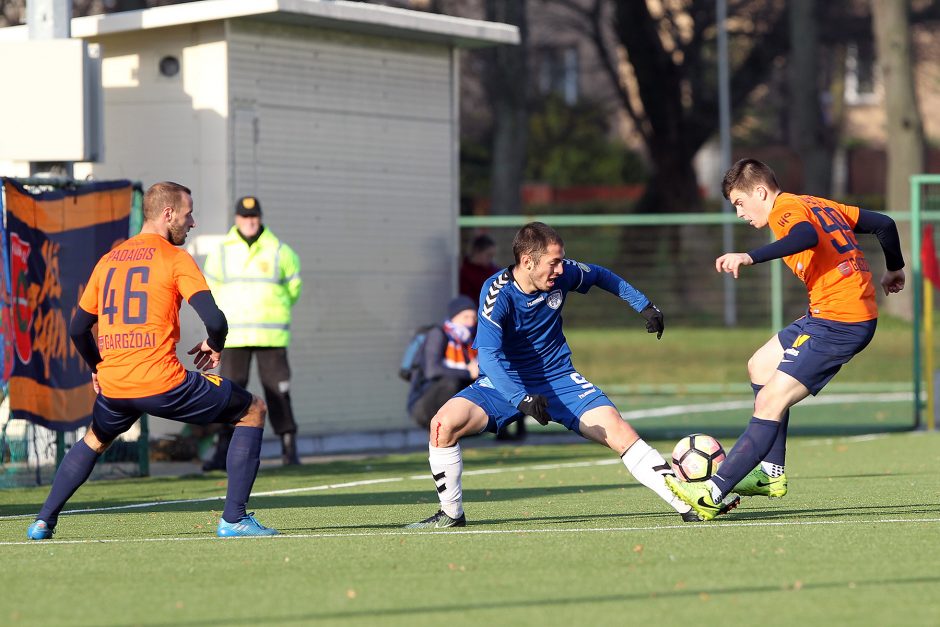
(336, 14)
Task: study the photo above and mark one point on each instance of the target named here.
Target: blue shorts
(569, 397)
(815, 349)
(199, 400)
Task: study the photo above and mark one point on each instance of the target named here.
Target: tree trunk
(904, 128)
(808, 136)
(673, 185)
(506, 78)
(905, 131)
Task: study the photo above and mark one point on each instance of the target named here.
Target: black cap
(248, 206)
(459, 304)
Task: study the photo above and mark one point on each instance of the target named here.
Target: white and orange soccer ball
(696, 457)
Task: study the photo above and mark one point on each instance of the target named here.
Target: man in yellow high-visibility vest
(255, 279)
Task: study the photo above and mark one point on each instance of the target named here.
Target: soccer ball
(696, 457)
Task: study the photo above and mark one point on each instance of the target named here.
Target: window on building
(860, 74)
(558, 72)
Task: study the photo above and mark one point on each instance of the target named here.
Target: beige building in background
(343, 119)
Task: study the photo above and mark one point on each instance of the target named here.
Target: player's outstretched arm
(802, 236)
(592, 274)
(731, 262)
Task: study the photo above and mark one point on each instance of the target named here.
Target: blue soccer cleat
(39, 530)
(244, 528)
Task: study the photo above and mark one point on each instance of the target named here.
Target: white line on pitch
(631, 415)
(702, 408)
(470, 532)
(330, 486)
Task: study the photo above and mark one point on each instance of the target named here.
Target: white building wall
(168, 128)
(349, 142)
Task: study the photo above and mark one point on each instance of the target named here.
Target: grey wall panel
(355, 170)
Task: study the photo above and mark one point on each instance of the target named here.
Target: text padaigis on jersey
(132, 254)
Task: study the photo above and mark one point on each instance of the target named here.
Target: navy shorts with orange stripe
(814, 349)
(569, 397)
(200, 399)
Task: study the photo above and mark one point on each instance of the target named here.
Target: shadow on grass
(451, 606)
(419, 496)
(615, 518)
(210, 485)
(755, 514)
(338, 499)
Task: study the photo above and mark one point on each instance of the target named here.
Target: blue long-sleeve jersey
(519, 336)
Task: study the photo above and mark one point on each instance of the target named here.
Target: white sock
(772, 470)
(446, 468)
(648, 467)
(717, 496)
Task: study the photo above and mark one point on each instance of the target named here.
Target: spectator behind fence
(477, 266)
(448, 363)
(256, 279)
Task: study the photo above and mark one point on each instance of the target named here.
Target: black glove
(536, 406)
(654, 320)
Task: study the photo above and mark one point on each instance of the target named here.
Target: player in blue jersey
(526, 370)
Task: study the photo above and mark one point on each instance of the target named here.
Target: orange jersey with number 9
(136, 291)
(835, 270)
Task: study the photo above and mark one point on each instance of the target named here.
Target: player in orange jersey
(134, 297)
(816, 239)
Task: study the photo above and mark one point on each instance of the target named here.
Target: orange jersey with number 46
(136, 291)
(835, 270)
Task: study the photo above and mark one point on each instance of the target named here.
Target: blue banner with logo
(6, 310)
(55, 240)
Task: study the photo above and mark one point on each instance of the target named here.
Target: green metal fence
(633, 245)
(925, 208)
(671, 258)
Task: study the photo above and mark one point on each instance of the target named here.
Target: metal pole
(50, 19)
(143, 447)
(724, 125)
(928, 352)
(916, 284)
(59, 448)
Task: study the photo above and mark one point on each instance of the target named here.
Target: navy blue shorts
(569, 397)
(815, 349)
(200, 399)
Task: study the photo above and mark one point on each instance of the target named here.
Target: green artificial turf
(558, 534)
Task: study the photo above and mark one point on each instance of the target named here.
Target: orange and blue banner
(6, 310)
(54, 239)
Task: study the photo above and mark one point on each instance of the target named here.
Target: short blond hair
(163, 194)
